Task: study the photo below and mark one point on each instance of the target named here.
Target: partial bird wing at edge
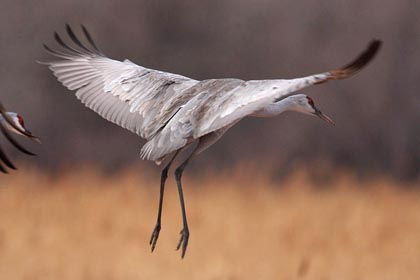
(3, 156)
(14, 142)
(254, 95)
(11, 123)
(7, 134)
(139, 99)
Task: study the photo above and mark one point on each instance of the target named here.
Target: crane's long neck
(274, 109)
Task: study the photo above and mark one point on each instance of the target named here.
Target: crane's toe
(183, 241)
(154, 237)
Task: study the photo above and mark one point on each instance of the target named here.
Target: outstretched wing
(139, 99)
(219, 103)
(248, 97)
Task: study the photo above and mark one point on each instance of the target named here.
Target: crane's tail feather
(355, 66)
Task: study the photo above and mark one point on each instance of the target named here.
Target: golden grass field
(84, 225)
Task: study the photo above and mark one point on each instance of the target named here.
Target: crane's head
(304, 104)
(19, 123)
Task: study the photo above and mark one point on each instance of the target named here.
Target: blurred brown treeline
(377, 112)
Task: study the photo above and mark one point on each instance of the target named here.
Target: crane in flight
(10, 121)
(172, 111)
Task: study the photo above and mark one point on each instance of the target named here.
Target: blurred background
(283, 198)
(377, 112)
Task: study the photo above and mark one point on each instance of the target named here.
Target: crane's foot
(183, 241)
(155, 236)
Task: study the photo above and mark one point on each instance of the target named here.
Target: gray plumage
(172, 111)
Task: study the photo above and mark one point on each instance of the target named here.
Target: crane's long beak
(324, 117)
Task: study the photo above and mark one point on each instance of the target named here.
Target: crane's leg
(185, 233)
(163, 176)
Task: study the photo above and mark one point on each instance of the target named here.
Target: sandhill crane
(172, 111)
(10, 121)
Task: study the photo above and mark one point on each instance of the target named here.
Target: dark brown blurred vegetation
(377, 112)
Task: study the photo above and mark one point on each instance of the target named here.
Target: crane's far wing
(248, 97)
(139, 99)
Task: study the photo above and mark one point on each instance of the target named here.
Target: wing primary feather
(2, 169)
(355, 66)
(14, 142)
(76, 40)
(89, 38)
(6, 160)
(365, 57)
(55, 53)
(66, 46)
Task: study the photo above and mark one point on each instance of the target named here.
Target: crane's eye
(20, 119)
(310, 101)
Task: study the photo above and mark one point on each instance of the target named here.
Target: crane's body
(297, 103)
(172, 111)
